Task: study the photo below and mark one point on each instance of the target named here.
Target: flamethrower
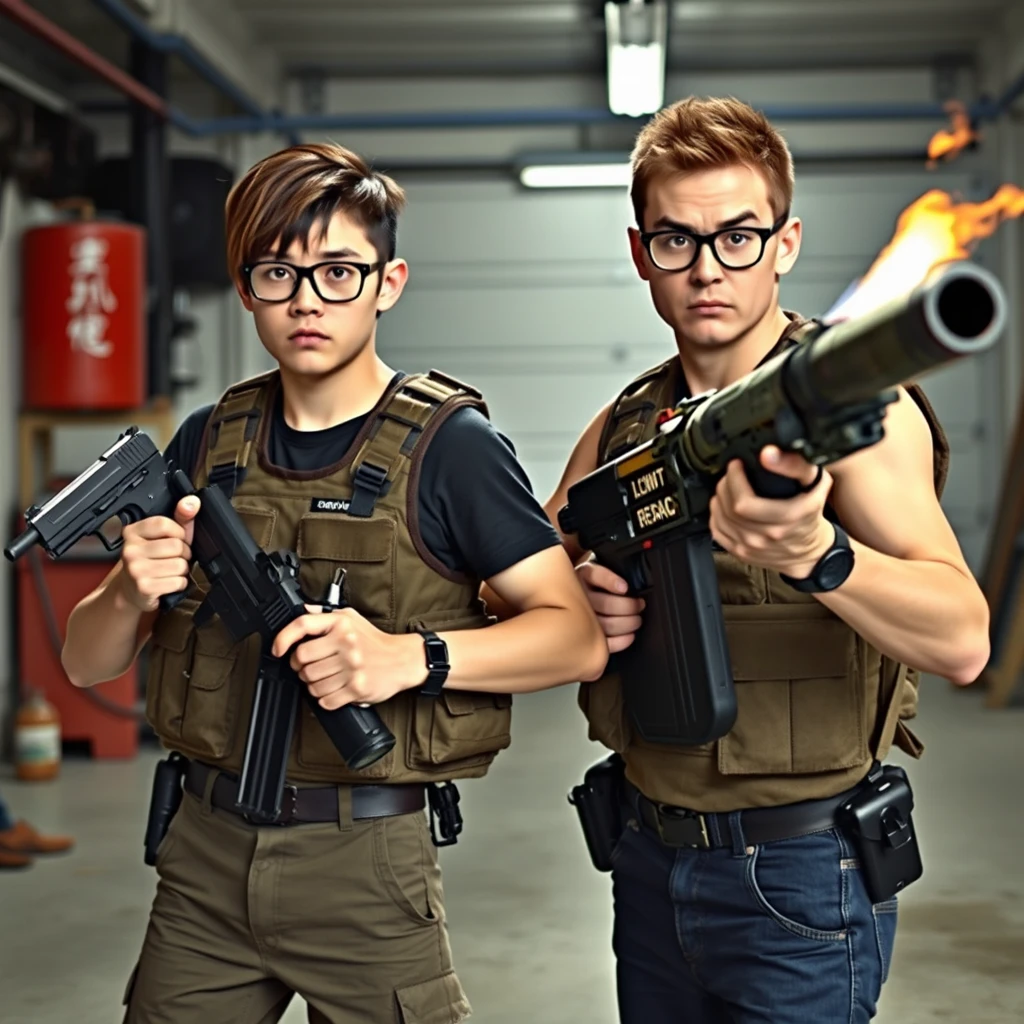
(646, 514)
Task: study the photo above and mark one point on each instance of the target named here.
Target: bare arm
(582, 461)
(105, 633)
(910, 593)
(107, 628)
(552, 638)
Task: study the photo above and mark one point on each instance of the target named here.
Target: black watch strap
(436, 651)
(830, 571)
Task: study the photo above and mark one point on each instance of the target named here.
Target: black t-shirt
(477, 511)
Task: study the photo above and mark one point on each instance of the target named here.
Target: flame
(950, 143)
(932, 231)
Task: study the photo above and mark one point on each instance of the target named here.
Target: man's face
(708, 304)
(306, 334)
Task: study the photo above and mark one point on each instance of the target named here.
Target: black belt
(307, 805)
(677, 826)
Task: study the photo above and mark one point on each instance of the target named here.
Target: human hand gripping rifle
(253, 592)
(645, 515)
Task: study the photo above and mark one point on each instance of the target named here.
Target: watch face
(835, 568)
(437, 651)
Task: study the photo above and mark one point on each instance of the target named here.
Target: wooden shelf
(36, 428)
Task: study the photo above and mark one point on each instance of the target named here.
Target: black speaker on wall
(199, 189)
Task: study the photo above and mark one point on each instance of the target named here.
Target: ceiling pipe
(179, 46)
(32, 21)
(531, 117)
(262, 121)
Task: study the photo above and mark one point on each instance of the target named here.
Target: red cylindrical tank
(83, 316)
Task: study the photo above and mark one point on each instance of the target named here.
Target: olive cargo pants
(349, 916)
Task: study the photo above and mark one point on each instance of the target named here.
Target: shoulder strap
(232, 429)
(940, 443)
(402, 427)
(639, 402)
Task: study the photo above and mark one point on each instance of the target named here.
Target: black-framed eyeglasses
(333, 281)
(674, 249)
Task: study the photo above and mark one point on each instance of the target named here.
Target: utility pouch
(445, 815)
(598, 802)
(164, 802)
(878, 820)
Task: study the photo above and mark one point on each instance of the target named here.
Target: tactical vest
(816, 703)
(201, 684)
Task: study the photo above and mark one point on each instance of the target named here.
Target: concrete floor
(530, 918)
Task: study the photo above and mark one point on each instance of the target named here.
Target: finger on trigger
(604, 578)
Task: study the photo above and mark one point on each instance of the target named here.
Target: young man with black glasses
(736, 896)
(398, 488)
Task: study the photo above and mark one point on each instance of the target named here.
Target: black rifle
(645, 514)
(253, 593)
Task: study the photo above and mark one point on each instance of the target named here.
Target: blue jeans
(782, 933)
(6, 821)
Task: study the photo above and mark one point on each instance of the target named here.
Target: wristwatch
(437, 664)
(830, 571)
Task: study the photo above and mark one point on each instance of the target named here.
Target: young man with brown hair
(402, 482)
(758, 912)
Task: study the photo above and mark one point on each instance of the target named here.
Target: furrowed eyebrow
(339, 254)
(732, 222)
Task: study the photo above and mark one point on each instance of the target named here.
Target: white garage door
(532, 298)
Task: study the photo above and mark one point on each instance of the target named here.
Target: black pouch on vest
(878, 820)
(164, 802)
(598, 802)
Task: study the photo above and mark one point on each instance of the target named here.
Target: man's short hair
(289, 194)
(697, 134)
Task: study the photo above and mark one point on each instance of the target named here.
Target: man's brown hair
(698, 134)
(289, 193)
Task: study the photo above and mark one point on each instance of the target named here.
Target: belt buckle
(289, 799)
(677, 827)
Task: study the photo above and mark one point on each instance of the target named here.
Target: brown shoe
(13, 860)
(23, 838)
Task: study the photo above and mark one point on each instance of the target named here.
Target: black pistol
(253, 593)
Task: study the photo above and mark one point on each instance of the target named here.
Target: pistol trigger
(636, 573)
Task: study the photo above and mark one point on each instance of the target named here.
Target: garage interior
(148, 109)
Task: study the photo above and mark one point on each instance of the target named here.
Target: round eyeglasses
(336, 281)
(675, 249)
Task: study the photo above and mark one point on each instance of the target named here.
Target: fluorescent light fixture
(576, 175)
(637, 32)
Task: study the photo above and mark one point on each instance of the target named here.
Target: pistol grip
(767, 484)
(169, 601)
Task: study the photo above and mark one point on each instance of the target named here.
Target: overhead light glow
(569, 175)
(636, 32)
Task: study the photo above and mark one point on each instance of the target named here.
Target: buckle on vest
(677, 827)
(368, 484)
(227, 476)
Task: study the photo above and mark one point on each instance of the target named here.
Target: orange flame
(933, 230)
(950, 143)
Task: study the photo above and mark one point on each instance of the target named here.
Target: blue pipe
(1009, 96)
(165, 42)
(521, 118)
(259, 120)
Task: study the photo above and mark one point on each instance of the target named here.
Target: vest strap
(232, 431)
(397, 431)
(892, 702)
(630, 416)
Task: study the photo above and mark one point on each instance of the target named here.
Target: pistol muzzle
(22, 544)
